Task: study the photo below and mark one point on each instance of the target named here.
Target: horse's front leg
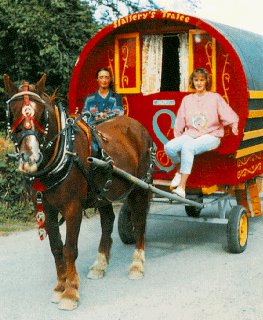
(70, 296)
(56, 246)
(98, 269)
(138, 202)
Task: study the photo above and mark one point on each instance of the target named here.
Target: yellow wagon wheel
(237, 229)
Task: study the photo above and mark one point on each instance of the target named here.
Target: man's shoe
(180, 192)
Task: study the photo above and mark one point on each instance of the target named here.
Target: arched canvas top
(249, 47)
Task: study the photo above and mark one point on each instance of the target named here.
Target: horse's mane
(53, 96)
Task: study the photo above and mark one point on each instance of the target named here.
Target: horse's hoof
(135, 275)
(56, 297)
(95, 274)
(67, 304)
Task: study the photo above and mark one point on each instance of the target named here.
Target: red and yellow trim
(120, 75)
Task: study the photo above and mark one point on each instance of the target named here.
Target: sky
(244, 14)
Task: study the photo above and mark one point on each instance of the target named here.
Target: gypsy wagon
(151, 55)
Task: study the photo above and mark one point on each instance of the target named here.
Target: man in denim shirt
(104, 102)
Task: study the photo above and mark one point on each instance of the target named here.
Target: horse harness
(57, 171)
(27, 117)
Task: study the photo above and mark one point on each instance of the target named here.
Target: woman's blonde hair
(200, 71)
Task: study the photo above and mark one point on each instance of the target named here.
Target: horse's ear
(40, 86)
(10, 87)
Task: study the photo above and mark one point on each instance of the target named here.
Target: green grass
(10, 226)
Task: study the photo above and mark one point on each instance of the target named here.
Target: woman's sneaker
(180, 192)
(176, 181)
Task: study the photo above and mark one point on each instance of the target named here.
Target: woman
(199, 127)
(104, 102)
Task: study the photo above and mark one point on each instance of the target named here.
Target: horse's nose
(24, 157)
(31, 159)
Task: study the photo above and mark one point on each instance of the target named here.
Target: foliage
(14, 200)
(40, 36)
(106, 10)
(113, 9)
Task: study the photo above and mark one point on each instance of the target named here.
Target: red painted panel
(100, 56)
(127, 62)
(202, 51)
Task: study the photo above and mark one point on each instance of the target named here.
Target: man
(104, 102)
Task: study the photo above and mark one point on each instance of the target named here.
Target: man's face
(104, 79)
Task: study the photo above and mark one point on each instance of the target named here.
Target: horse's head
(27, 121)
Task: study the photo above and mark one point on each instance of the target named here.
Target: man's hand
(101, 115)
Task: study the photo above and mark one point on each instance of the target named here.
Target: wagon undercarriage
(236, 218)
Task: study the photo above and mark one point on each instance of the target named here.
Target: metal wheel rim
(243, 228)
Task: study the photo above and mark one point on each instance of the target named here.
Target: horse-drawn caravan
(151, 55)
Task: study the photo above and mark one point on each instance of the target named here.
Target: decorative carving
(249, 171)
(124, 57)
(225, 78)
(209, 54)
(125, 104)
(162, 158)
(253, 157)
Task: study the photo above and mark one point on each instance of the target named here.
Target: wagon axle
(237, 222)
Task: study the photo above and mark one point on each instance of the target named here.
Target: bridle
(27, 117)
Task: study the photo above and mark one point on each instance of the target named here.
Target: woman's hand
(235, 129)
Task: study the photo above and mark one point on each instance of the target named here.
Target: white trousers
(189, 147)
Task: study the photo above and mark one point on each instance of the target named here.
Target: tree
(108, 10)
(38, 36)
(43, 36)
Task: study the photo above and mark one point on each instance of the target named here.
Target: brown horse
(52, 150)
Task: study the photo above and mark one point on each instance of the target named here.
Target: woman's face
(104, 79)
(199, 82)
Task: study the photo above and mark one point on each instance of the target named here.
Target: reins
(69, 123)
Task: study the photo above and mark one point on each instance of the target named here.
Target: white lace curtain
(152, 53)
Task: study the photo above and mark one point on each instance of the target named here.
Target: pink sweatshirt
(207, 114)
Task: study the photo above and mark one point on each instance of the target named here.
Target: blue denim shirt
(111, 104)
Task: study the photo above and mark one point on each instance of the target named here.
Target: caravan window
(164, 61)
(170, 79)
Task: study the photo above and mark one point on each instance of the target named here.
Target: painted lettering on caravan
(175, 16)
(151, 15)
(134, 17)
